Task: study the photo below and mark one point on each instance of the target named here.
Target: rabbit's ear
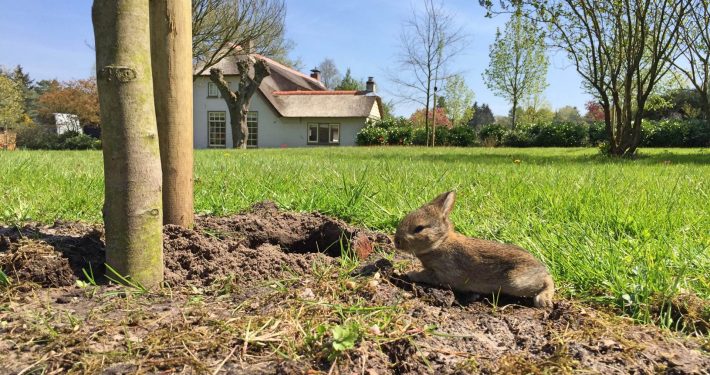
(445, 202)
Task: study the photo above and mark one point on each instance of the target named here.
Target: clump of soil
(261, 244)
(264, 292)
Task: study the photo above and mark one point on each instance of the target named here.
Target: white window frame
(330, 134)
(212, 86)
(213, 118)
(253, 126)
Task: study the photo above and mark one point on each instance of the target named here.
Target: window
(217, 129)
(212, 90)
(324, 134)
(253, 126)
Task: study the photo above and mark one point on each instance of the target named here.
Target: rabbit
(466, 264)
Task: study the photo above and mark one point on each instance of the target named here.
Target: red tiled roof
(300, 92)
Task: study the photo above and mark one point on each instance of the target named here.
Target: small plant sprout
(119, 279)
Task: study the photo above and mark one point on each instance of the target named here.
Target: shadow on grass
(539, 156)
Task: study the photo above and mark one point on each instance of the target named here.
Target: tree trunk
(251, 73)
(133, 201)
(171, 55)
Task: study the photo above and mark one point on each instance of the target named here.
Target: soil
(262, 292)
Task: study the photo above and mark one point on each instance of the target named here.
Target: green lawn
(620, 232)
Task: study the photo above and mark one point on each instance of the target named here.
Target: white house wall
(274, 131)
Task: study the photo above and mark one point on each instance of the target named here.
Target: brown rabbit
(466, 264)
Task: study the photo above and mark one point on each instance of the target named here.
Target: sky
(52, 39)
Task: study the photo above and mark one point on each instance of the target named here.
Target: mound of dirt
(287, 294)
(261, 244)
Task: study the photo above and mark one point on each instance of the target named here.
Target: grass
(632, 234)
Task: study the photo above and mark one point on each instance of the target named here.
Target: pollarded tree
(133, 214)
(171, 56)
(221, 27)
(620, 48)
(251, 72)
(518, 63)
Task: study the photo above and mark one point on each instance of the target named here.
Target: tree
(428, 43)
(133, 214)
(79, 97)
(442, 118)
(482, 115)
(387, 109)
(621, 49)
(222, 27)
(171, 56)
(568, 114)
(459, 100)
(518, 64)
(329, 74)
(695, 51)
(11, 103)
(595, 112)
(251, 72)
(348, 83)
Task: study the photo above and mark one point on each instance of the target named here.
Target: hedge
(664, 133)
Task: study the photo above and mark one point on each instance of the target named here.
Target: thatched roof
(294, 94)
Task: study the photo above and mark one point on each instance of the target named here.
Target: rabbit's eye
(419, 228)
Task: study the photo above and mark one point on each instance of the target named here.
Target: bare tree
(695, 51)
(133, 214)
(219, 27)
(621, 48)
(171, 35)
(428, 43)
(251, 73)
(329, 73)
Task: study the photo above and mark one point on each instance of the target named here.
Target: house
(65, 122)
(290, 109)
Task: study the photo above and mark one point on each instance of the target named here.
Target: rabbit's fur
(466, 264)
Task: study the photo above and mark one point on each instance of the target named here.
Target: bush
(562, 134)
(419, 136)
(492, 134)
(461, 136)
(675, 133)
(520, 137)
(597, 133)
(41, 138)
(401, 135)
(371, 135)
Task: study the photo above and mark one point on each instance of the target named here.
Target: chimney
(370, 86)
(315, 74)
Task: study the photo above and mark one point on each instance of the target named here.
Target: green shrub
(559, 134)
(400, 135)
(520, 137)
(419, 136)
(492, 134)
(41, 138)
(597, 134)
(462, 136)
(676, 133)
(371, 135)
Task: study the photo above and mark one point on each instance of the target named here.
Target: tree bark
(171, 55)
(251, 73)
(133, 180)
